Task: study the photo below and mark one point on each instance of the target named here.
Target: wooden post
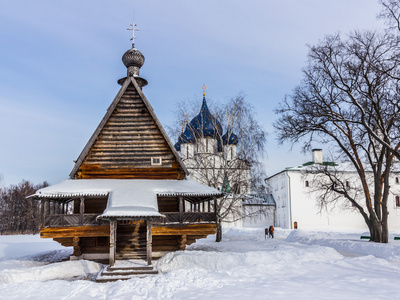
(77, 248)
(113, 235)
(215, 205)
(42, 212)
(182, 242)
(149, 242)
(82, 209)
(209, 206)
(48, 212)
(204, 206)
(180, 209)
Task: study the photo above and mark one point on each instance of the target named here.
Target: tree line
(19, 214)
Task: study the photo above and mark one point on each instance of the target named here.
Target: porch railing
(58, 220)
(189, 217)
(70, 220)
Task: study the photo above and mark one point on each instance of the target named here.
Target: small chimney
(317, 156)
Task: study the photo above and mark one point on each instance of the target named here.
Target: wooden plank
(113, 232)
(80, 231)
(150, 108)
(98, 129)
(195, 229)
(149, 242)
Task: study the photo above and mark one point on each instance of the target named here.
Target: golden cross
(204, 88)
(187, 118)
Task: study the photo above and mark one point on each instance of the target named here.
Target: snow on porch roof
(127, 197)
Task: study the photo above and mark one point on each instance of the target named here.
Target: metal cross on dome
(204, 88)
(133, 25)
(187, 118)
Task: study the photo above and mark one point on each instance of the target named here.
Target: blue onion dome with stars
(229, 138)
(187, 137)
(205, 124)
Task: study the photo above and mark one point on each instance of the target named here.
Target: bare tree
(17, 213)
(391, 13)
(349, 100)
(233, 167)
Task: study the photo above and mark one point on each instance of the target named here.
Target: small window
(156, 161)
(397, 180)
(307, 183)
(397, 201)
(347, 184)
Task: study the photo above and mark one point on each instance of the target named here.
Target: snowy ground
(295, 265)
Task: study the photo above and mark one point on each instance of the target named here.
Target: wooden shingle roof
(127, 139)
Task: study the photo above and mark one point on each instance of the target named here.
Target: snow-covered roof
(127, 197)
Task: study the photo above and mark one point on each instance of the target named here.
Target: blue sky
(60, 61)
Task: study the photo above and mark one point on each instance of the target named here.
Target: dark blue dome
(187, 137)
(205, 124)
(177, 147)
(229, 138)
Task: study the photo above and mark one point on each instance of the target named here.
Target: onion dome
(187, 137)
(133, 59)
(177, 147)
(229, 138)
(205, 124)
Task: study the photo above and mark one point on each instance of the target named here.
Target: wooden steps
(125, 270)
(131, 242)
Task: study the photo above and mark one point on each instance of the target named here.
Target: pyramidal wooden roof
(129, 143)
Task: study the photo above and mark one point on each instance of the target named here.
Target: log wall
(127, 143)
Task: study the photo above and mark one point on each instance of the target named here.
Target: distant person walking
(271, 231)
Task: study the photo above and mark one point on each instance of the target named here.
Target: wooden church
(129, 195)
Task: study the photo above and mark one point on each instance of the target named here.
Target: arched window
(307, 183)
(347, 184)
(397, 201)
(397, 180)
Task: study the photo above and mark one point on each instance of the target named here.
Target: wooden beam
(180, 209)
(77, 248)
(183, 241)
(215, 205)
(80, 231)
(193, 229)
(113, 241)
(42, 212)
(82, 209)
(149, 242)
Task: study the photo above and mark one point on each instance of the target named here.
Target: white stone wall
(304, 207)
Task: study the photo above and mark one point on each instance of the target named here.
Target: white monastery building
(296, 195)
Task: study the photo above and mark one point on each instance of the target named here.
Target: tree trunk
(218, 237)
(385, 227)
(376, 231)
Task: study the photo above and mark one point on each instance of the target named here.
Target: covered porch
(123, 219)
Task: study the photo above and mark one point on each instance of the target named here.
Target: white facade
(297, 202)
